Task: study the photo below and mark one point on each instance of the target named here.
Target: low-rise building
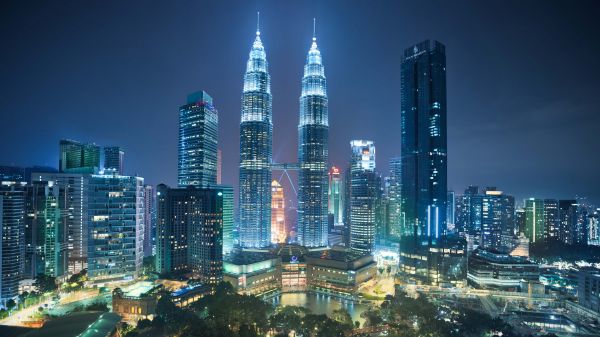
(589, 288)
(136, 301)
(293, 267)
(338, 272)
(253, 273)
(494, 270)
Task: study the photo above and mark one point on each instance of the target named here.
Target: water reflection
(322, 304)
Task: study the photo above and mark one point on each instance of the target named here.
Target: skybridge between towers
(284, 168)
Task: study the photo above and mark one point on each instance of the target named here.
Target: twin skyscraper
(256, 144)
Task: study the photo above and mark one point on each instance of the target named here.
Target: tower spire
(314, 29)
(257, 23)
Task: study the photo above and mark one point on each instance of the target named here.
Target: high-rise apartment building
(363, 196)
(113, 159)
(198, 137)
(278, 228)
(76, 157)
(12, 239)
(256, 143)
(190, 225)
(313, 139)
(497, 221)
(116, 214)
(149, 219)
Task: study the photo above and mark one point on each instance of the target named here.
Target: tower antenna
(257, 23)
(314, 29)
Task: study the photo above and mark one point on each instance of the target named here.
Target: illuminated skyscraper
(424, 170)
(198, 137)
(336, 196)
(76, 157)
(116, 214)
(278, 229)
(256, 130)
(190, 229)
(12, 240)
(534, 219)
(395, 217)
(313, 135)
(113, 158)
(363, 196)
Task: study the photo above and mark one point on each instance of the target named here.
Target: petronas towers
(256, 130)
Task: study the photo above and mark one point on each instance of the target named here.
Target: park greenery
(228, 314)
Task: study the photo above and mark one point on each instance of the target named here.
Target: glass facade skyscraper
(198, 137)
(116, 214)
(313, 134)
(424, 172)
(75, 188)
(394, 185)
(12, 239)
(76, 157)
(113, 158)
(535, 224)
(336, 196)
(363, 196)
(256, 133)
(190, 229)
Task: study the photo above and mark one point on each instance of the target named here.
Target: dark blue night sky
(523, 81)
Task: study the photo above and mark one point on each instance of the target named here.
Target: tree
(45, 283)
(342, 316)
(11, 304)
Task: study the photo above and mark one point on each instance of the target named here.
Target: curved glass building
(256, 131)
(313, 132)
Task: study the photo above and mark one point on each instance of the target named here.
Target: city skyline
(472, 124)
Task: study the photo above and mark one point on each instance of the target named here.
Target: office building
(76, 157)
(12, 239)
(113, 159)
(313, 139)
(588, 292)
(198, 137)
(394, 186)
(363, 196)
(278, 228)
(551, 218)
(149, 219)
(493, 270)
(335, 203)
(190, 230)
(256, 143)
(423, 156)
(450, 209)
(116, 215)
(75, 187)
(45, 230)
(497, 220)
(535, 224)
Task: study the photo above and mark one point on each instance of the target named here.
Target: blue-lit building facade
(313, 135)
(191, 226)
(424, 159)
(198, 137)
(116, 214)
(363, 196)
(12, 239)
(113, 158)
(256, 133)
